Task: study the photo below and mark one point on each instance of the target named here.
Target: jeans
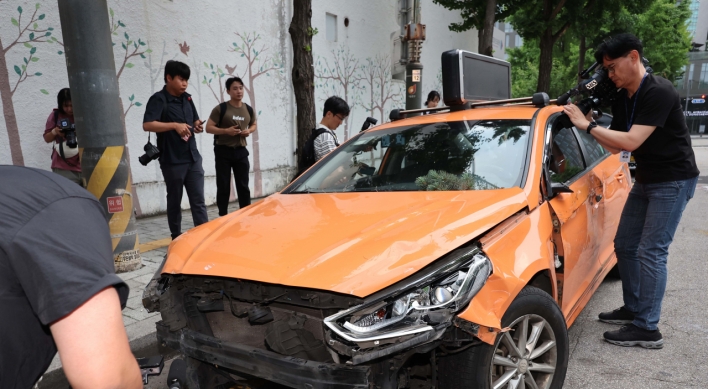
(191, 177)
(227, 159)
(646, 229)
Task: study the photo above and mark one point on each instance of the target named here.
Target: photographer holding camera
(60, 130)
(647, 121)
(171, 114)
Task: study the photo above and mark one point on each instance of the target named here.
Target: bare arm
(50, 136)
(211, 128)
(610, 139)
(181, 128)
(93, 345)
(251, 129)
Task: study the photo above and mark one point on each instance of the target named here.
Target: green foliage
(473, 12)
(442, 181)
(662, 29)
(44, 91)
(312, 31)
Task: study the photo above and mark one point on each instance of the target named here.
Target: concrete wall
(217, 39)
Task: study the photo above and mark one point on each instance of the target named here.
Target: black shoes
(618, 316)
(631, 335)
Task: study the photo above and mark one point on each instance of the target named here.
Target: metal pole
(415, 35)
(99, 126)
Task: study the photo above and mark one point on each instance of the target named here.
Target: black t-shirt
(667, 154)
(173, 149)
(55, 254)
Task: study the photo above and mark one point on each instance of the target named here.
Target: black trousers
(189, 176)
(228, 159)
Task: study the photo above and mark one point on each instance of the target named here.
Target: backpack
(222, 112)
(308, 158)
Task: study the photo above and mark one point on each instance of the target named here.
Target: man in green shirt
(231, 123)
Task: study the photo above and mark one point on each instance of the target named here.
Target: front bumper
(289, 371)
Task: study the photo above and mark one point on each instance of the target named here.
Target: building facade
(693, 86)
(356, 51)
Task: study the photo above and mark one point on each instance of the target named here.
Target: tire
(477, 367)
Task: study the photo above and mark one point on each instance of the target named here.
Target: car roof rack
(539, 99)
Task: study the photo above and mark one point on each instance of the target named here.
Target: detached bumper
(289, 371)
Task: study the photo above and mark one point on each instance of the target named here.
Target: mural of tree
(217, 74)
(376, 76)
(156, 72)
(28, 32)
(341, 78)
(257, 65)
(131, 48)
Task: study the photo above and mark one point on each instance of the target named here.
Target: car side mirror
(557, 187)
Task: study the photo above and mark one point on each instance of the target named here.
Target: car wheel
(533, 353)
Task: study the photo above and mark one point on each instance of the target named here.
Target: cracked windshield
(447, 156)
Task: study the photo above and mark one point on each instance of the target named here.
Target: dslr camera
(151, 153)
(69, 132)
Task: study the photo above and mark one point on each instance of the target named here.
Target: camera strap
(630, 119)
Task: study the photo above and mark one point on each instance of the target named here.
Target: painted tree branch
(21, 31)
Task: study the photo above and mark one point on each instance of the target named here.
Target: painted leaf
(110, 11)
(15, 22)
(38, 74)
(137, 104)
(50, 28)
(135, 45)
(121, 24)
(142, 56)
(40, 17)
(141, 43)
(31, 36)
(48, 33)
(35, 26)
(129, 65)
(126, 35)
(35, 59)
(33, 50)
(18, 71)
(19, 9)
(124, 47)
(148, 51)
(44, 91)
(25, 59)
(60, 52)
(36, 6)
(131, 97)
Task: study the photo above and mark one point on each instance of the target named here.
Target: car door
(578, 217)
(615, 179)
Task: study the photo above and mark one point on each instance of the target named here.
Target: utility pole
(94, 93)
(414, 36)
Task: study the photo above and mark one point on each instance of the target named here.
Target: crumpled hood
(352, 243)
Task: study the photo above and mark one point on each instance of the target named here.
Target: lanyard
(636, 97)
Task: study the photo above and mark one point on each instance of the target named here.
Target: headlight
(431, 299)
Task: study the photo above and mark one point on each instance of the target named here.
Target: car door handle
(598, 198)
(619, 177)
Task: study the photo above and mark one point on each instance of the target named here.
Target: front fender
(519, 248)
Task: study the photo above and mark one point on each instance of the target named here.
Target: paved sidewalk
(154, 235)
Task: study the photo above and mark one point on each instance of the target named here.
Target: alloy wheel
(525, 356)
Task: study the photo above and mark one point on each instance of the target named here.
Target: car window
(593, 150)
(459, 155)
(566, 159)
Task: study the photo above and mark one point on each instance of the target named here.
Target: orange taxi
(452, 249)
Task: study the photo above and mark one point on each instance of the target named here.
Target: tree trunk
(581, 57)
(303, 74)
(257, 174)
(487, 33)
(545, 62)
(8, 109)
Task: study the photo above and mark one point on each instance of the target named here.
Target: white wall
(174, 29)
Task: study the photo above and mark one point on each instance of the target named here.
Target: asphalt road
(683, 362)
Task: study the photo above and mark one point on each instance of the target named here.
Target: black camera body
(151, 153)
(69, 132)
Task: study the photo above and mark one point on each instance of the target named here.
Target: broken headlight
(433, 300)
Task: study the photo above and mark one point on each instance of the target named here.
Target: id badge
(625, 156)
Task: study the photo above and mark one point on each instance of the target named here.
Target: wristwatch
(591, 126)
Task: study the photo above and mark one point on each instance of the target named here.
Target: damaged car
(449, 250)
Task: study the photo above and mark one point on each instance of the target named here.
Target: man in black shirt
(58, 287)
(647, 121)
(171, 114)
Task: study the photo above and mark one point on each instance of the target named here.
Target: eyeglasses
(340, 117)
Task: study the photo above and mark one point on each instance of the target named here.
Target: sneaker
(631, 335)
(618, 316)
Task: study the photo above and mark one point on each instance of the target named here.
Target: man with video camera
(59, 129)
(648, 122)
(171, 114)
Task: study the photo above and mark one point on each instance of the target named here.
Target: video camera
(69, 132)
(598, 86)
